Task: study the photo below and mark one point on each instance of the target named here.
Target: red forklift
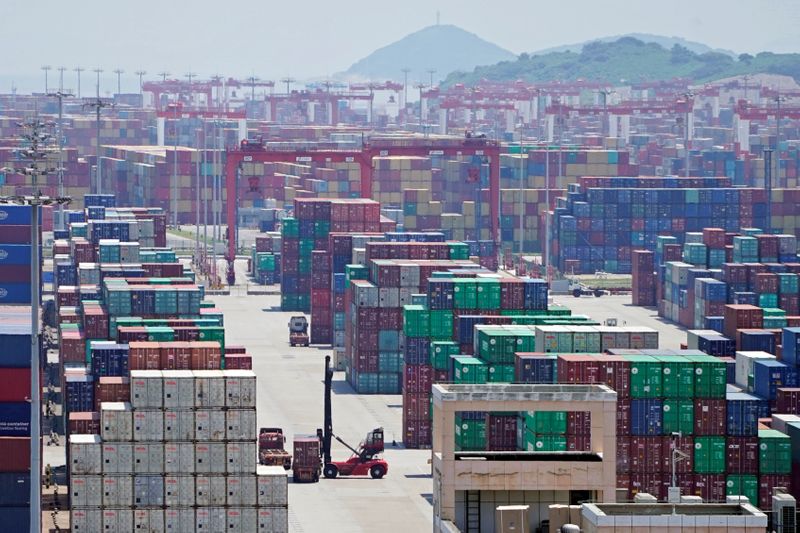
(365, 460)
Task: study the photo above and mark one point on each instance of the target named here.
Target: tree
(745, 58)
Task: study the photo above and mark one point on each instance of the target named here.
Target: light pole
(689, 112)
(79, 70)
(119, 72)
(60, 131)
(405, 71)
(61, 78)
(36, 154)
(46, 69)
(141, 74)
(190, 75)
(605, 130)
(174, 185)
(778, 100)
(421, 86)
(288, 81)
(431, 71)
(98, 71)
(98, 104)
(163, 75)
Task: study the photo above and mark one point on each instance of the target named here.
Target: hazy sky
(320, 37)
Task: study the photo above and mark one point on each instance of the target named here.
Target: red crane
(254, 151)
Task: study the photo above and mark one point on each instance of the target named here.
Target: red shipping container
(144, 356)
(501, 432)
(15, 453)
(616, 373)
(417, 378)
(646, 454)
(710, 487)
(788, 400)
(624, 483)
(579, 423)
(741, 455)
(111, 389)
(766, 488)
(238, 361)
(233, 349)
(206, 355)
(84, 422)
(710, 417)
(684, 444)
(176, 356)
(623, 454)
(579, 443)
(650, 483)
(577, 369)
(16, 384)
(623, 417)
(416, 405)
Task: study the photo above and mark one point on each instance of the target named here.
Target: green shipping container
(441, 324)
(416, 321)
(465, 294)
(646, 376)
(678, 415)
(441, 352)
(501, 373)
(553, 422)
(458, 250)
(389, 361)
(468, 369)
(488, 293)
(290, 228)
(709, 455)
(742, 485)
(546, 443)
(677, 376)
(710, 376)
(774, 452)
(470, 434)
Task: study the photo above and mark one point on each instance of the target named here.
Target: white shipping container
(745, 363)
(240, 424)
(116, 421)
(178, 389)
(209, 425)
(86, 520)
(178, 425)
(241, 520)
(148, 458)
(117, 490)
(211, 519)
(209, 388)
(148, 490)
(179, 520)
(273, 519)
(147, 389)
(241, 457)
(117, 520)
(240, 389)
(209, 458)
(117, 458)
(405, 296)
(209, 490)
(241, 490)
(86, 454)
(86, 491)
(148, 425)
(179, 457)
(148, 520)
(360, 256)
(179, 491)
(272, 485)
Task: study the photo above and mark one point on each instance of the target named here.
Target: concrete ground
(290, 395)
(670, 335)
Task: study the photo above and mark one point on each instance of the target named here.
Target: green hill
(631, 60)
(444, 48)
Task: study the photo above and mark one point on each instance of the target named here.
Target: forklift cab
(373, 443)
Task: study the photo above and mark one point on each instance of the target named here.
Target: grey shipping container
(148, 458)
(86, 491)
(210, 490)
(179, 425)
(116, 422)
(240, 424)
(209, 425)
(148, 425)
(273, 519)
(240, 389)
(178, 389)
(117, 520)
(209, 388)
(179, 520)
(117, 458)
(210, 519)
(241, 520)
(148, 490)
(85, 454)
(209, 458)
(241, 490)
(117, 490)
(179, 457)
(86, 520)
(147, 389)
(148, 520)
(241, 457)
(272, 486)
(179, 491)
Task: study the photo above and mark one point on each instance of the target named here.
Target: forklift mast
(327, 431)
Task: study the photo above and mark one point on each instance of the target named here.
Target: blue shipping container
(15, 518)
(769, 374)
(15, 419)
(15, 293)
(646, 416)
(14, 489)
(743, 412)
(15, 215)
(791, 346)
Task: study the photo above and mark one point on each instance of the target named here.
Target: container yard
(530, 291)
